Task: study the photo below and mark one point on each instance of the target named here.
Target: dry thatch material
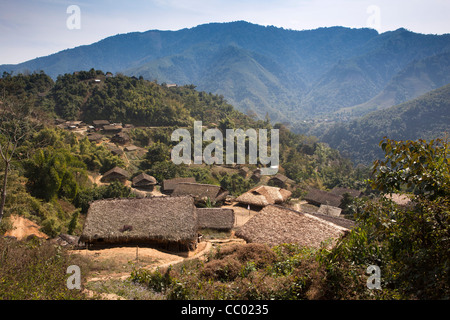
(170, 184)
(121, 137)
(262, 196)
(343, 222)
(215, 218)
(281, 180)
(148, 221)
(100, 123)
(318, 197)
(329, 210)
(201, 192)
(276, 225)
(94, 137)
(400, 199)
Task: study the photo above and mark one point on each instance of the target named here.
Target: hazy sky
(34, 28)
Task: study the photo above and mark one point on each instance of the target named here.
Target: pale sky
(34, 28)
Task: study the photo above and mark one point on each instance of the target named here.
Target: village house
(215, 218)
(256, 175)
(100, 123)
(163, 222)
(115, 173)
(131, 148)
(243, 172)
(200, 192)
(262, 196)
(95, 137)
(117, 151)
(144, 181)
(341, 191)
(112, 128)
(329, 210)
(318, 197)
(121, 138)
(281, 181)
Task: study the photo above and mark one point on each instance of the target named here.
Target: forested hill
(92, 95)
(426, 117)
(57, 167)
(289, 75)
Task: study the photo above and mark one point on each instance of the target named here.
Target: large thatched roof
(275, 225)
(318, 197)
(164, 219)
(263, 196)
(170, 184)
(281, 178)
(116, 172)
(215, 218)
(200, 191)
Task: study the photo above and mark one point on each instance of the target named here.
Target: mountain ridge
(288, 75)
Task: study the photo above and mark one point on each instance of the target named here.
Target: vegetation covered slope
(425, 117)
(51, 175)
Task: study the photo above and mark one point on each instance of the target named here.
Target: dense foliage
(35, 270)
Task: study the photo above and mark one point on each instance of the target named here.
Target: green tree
(15, 126)
(410, 244)
(420, 166)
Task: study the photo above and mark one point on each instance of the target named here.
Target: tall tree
(15, 126)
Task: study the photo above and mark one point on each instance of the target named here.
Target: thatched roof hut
(215, 218)
(340, 221)
(144, 180)
(262, 196)
(329, 210)
(244, 171)
(276, 225)
(341, 191)
(170, 222)
(111, 128)
(115, 173)
(100, 123)
(121, 137)
(94, 137)
(281, 180)
(169, 185)
(200, 192)
(319, 197)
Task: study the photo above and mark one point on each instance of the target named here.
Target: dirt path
(23, 227)
(145, 258)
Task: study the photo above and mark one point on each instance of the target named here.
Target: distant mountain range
(426, 117)
(285, 74)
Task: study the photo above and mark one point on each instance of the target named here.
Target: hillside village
(106, 191)
(149, 216)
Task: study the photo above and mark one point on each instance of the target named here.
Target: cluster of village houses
(173, 219)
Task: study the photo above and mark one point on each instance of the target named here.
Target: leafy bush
(34, 270)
